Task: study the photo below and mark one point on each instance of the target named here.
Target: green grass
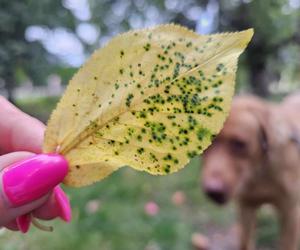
(121, 223)
(38, 107)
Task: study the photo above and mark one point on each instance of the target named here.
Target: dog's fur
(256, 160)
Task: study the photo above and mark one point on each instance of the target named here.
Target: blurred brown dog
(256, 160)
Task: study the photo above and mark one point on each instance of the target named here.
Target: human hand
(29, 180)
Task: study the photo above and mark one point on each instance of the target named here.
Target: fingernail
(33, 178)
(63, 203)
(23, 222)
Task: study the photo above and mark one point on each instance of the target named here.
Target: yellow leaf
(151, 99)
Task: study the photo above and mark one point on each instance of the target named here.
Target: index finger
(19, 131)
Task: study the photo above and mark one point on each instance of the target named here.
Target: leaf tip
(248, 34)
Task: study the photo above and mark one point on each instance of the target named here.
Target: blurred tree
(277, 27)
(20, 58)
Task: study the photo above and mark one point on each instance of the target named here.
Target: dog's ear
(263, 117)
(273, 130)
(263, 138)
(261, 111)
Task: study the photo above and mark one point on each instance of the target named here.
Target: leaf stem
(40, 226)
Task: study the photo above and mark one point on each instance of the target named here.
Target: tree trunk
(259, 76)
(10, 85)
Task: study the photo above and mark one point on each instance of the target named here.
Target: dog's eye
(238, 146)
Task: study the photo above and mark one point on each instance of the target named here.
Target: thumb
(26, 182)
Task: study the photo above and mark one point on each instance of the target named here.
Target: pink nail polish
(23, 222)
(33, 178)
(63, 203)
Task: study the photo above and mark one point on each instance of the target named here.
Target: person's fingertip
(63, 203)
(29, 180)
(24, 222)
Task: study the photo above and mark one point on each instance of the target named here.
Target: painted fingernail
(63, 204)
(33, 178)
(23, 222)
